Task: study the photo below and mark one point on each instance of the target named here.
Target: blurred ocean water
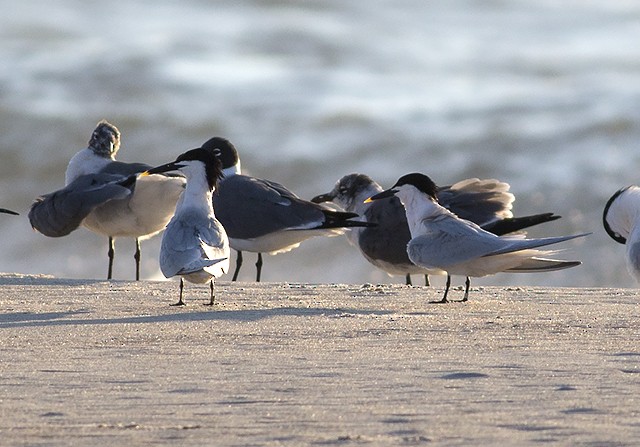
(544, 95)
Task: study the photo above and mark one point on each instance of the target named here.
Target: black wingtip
(129, 181)
(512, 224)
(342, 219)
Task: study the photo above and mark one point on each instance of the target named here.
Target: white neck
(197, 193)
(418, 207)
(84, 162)
(232, 170)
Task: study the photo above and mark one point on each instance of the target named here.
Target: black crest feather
(421, 182)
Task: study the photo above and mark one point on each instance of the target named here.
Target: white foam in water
(543, 95)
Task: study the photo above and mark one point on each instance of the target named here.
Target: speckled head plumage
(105, 140)
(351, 185)
(346, 190)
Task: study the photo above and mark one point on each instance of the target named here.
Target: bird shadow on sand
(15, 279)
(31, 319)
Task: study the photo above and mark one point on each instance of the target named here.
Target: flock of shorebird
(414, 227)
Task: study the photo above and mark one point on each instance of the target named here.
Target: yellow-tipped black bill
(382, 195)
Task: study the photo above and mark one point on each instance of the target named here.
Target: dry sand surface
(111, 363)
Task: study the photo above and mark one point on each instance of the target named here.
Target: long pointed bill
(382, 195)
(173, 166)
(323, 198)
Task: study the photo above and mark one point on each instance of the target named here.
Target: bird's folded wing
(123, 168)
(249, 208)
(61, 212)
(189, 244)
(214, 242)
(447, 241)
(388, 240)
(515, 244)
(481, 201)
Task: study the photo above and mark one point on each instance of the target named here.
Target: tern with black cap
(195, 244)
(442, 240)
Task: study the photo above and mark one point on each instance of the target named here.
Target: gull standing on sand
(105, 196)
(194, 244)
(442, 240)
(487, 203)
(621, 221)
(262, 216)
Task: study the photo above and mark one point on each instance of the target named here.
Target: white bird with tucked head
(194, 244)
(441, 240)
(621, 221)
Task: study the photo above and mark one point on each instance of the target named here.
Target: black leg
(213, 297)
(467, 283)
(446, 291)
(259, 267)
(136, 256)
(238, 265)
(426, 280)
(180, 302)
(408, 280)
(111, 252)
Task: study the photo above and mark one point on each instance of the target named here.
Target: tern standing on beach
(440, 239)
(194, 244)
(485, 202)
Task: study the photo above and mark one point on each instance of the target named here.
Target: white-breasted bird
(486, 202)
(442, 240)
(262, 216)
(106, 196)
(621, 221)
(195, 244)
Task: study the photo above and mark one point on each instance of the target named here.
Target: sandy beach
(89, 362)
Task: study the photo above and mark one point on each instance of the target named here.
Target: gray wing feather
(480, 201)
(534, 265)
(192, 242)
(61, 212)
(249, 207)
(450, 241)
(388, 240)
(124, 169)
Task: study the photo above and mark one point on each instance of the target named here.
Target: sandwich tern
(442, 240)
(139, 207)
(487, 203)
(262, 216)
(620, 220)
(194, 244)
